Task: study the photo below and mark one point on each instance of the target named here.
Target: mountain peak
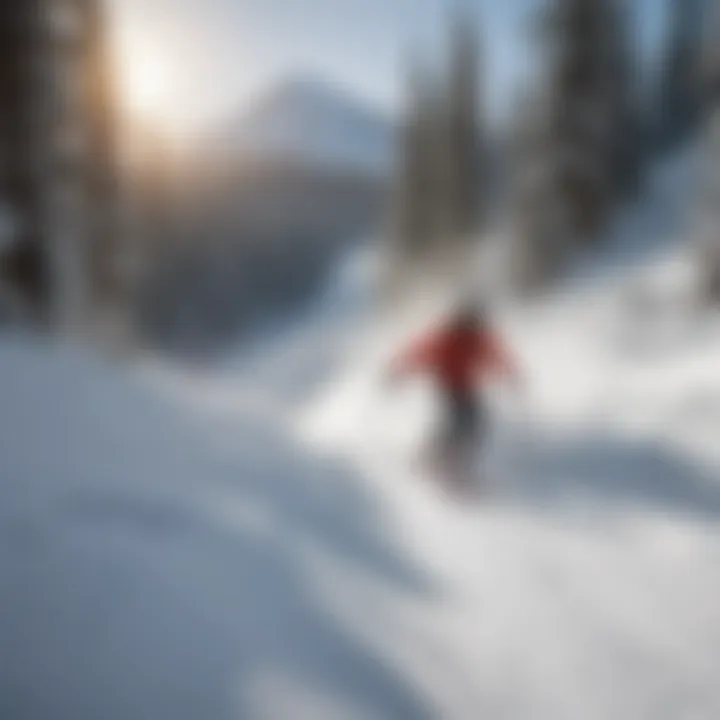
(308, 120)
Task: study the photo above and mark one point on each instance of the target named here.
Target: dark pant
(463, 419)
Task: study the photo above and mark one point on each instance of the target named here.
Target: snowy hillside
(254, 542)
(306, 121)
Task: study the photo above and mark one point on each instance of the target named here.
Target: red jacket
(457, 358)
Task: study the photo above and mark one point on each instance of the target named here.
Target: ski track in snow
(249, 543)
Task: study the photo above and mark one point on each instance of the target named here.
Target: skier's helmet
(470, 314)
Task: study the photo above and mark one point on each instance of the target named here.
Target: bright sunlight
(149, 85)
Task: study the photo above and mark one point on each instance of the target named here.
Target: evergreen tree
(629, 142)
(414, 211)
(577, 143)
(709, 216)
(680, 92)
(23, 261)
(581, 112)
(460, 146)
(543, 232)
(103, 182)
(437, 209)
(55, 157)
(590, 116)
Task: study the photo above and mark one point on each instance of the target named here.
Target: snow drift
(250, 543)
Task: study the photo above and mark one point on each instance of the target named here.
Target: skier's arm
(502, 361)
(420, 355)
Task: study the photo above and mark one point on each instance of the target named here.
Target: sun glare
(149, 79)
(148, 87)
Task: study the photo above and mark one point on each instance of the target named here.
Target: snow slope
(252, 542)
(161, 556)
(587, 583)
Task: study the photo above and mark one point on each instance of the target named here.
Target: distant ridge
(310, 122)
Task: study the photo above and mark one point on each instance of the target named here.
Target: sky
(189, 63)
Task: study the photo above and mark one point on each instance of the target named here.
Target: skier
(462, 351)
